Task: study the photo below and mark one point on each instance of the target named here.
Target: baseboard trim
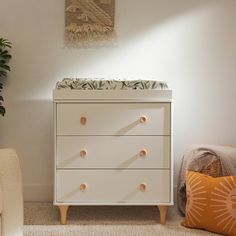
(44, 193)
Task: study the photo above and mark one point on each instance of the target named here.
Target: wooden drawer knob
(83, 153)
(142, 187)
(83, 120)
(143, 119)
(143, 153)
(83, 187)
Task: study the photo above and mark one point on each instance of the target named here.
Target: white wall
(188, 43)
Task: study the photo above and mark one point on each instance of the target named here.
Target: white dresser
(113, 147)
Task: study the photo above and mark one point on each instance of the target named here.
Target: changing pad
(110, 84)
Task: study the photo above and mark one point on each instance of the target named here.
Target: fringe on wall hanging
(89, 21)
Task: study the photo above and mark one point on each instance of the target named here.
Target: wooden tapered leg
(163, 213)
(63, 212)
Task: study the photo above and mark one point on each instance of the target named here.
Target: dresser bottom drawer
(113, 186)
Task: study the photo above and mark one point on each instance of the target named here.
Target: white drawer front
(113, 119)
(113, 152)
(113, 186)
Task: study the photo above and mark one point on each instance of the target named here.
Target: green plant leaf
(2, 110)
(4, 43)
(3, 73)
(6, 57)
(5, 67)
(4, 52)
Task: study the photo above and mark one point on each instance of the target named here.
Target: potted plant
(4, 67)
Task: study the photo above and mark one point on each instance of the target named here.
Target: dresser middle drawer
(113, 152)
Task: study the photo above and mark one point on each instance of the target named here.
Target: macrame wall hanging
(89, 21)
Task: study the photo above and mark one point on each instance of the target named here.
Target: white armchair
(11, 197)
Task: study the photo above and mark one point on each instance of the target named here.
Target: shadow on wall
(137, 16)
(135, 19)
(31, 134)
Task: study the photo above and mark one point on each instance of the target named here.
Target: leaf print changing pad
(110, 84)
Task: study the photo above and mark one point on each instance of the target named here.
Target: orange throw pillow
(211, 203)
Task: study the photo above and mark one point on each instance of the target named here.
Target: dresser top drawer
(113, 119)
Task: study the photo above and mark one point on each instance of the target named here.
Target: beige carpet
(42, 219)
